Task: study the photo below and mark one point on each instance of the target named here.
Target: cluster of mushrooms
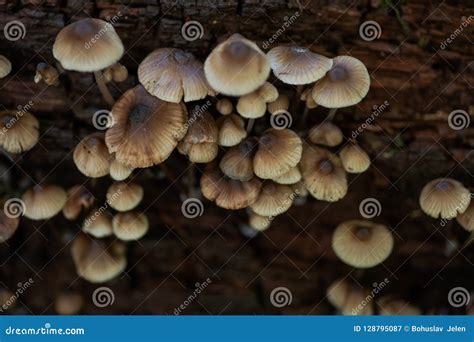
(250, 164)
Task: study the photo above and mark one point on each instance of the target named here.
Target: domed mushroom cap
(226, 192)
(274, 199)
(298, 65)
(231, 130)
(123, 196)
(466, 219)
(323, 174)
(98, 223)
(200, 152)
(347, 298)
(145, 129)
(92, 157)
(119, 171)
(77, 47)
(97, 262)
(346, 84)
(362, 244)
(68, 304)
(224, 106)
(259, 222)
(44, 201)
(445, 198)
(291, 177)
(8, 226)
(237, 162)
(326, 133)
(281, 104)
(278, 151)
(308, 98)
(5, 66)
(170, 74)
(116, 72)
(78, 197)
(354, 159)
(391, 307)
(19, 131)
(46, 73)
(130, 226)
(254, 105)
(236, 66)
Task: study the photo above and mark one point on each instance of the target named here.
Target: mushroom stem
(250, 124)
(99, 78)
(331, 114)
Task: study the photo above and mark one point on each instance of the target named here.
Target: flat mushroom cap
(254, 105)
(44, 201)
(237, 162)
(323, 174)
(326, 133)
(123, 196)
(77, 47)
(145, 129)
(19, 131)
(298, 65)
(119, 171)
(92, 157)
(231, 130)
(278, 151)
(346, 84)
(78, 197)
(98, 224)
(259, 222)
(444, 198)
(169, 74)
(236, 67)
(130, 226)
(274, 199)
(291, 177)
(362, 244)
(5, 66)
(354, 159)
(8, 226)
(228, 193)
(466, 219)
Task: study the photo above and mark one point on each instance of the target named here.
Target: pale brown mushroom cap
(281, 104)
(278, 151)
(298, 65)
(274, 199)
(254, 105)
(119, 171)
(300, 189)
(170, 74)
(97, 262)
(466, 219)
(5, 66)
(123, 196)
(44, 201)
(226, 192)
(78, 198)
(145, 129)
(323, 174)
(199, 153)
(444, 198)
(130, 226)
(231, 130)
(292, 176)
(362, 244)
(354, 159)
(19, 131)
(98, 223)
(396, 307)
(92, 157)
(237, 162)
(346, 84)
(68, 304)
(326, 133)
(8, 226)
(259, 222)
(308, 98)
(46, 73)
(88, 45)
(348, 298)
(116, 72)
(224, 106)
(236, 67)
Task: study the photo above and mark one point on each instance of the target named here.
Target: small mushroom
(92, 157)
(78, 198)
(98, 223)
(116, 72)
(46, 73)
(68, 303)
(224, 106)
(237, 162)
(308, 98)
(466, 219)
(19, 131)
(254, 105)
(258, 222)
(281, 104)
(44, 201)
(326, 133)
(354, 159)
(291, 177)
(231, 130)
(123, 196)
(119, 171)
(5, 66)
(347, 298)
(274, 199)
(130, 226)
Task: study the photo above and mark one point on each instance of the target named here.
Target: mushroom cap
(308, 98)
(259, 222)
(281, 104)
(202, 128)
(88, 45)
(98, 223)
(231, 130)
(224, 106)
(5, 66)
(130, 226)
(226, 192)
(300, 189)
(8, 226)
(347, 297)
(47, 73)
(78, 197)
(274, 199)
(236, 66)
(361, 243)
(346, 84)
(169, 73)
(97, 262)
(292, 176)
(466, 219)
(119, 171)
(254, 105)
(323, 174)
(445, 198)
(145, 129)
(68, 303)
(44, 201)
(116, 72)
(326, 133)
(237, 162)
(19, 131)
(199, 153)
(123, 196)
(391, 307)
(298, 65)
(278, 151)
(92, 157)
(354, 159)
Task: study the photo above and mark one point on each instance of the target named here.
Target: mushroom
(97, 262)
(8, 225)
(258, 222)
(130, 226)
(170, 74)
(445, 198)
(46, 73)
(300, 189)
(44, 201)
(231, 130)
(281, 104)
(5, 66)
(123, 196)
(354, 159)
(298, 65)
(236, 67)
(116, 72)
(466, 219)
(92, 157)
(391, 307)
(78, 197)
(292, 176)
(68, 303)
(98, 223)
(77, 48)
(361, 243)
(326, 133)
(19, 131)
(237, 162)
(254, 105)
(145, 130)
(224, 106)
(274, 199)
(348, 298)
(308, 98)
(346, 84)
(119, 171)
(323, 174)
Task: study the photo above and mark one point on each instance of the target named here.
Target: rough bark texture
(410, 143)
